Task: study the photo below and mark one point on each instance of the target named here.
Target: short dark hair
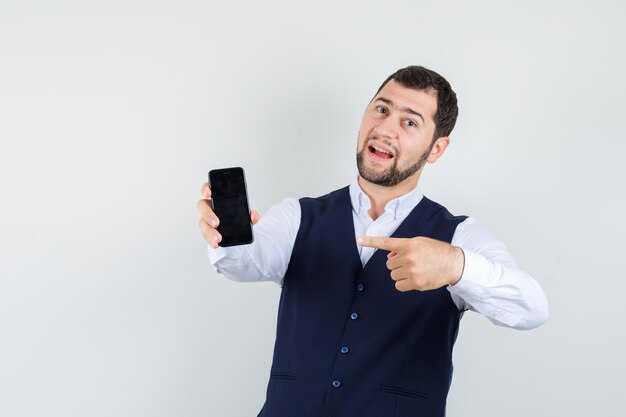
(420, 78)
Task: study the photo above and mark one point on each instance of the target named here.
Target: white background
(112, 113)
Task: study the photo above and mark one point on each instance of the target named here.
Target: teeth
(381, 150)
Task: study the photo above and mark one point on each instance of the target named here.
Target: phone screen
(230, 204)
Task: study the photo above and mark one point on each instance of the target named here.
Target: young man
(375, 276)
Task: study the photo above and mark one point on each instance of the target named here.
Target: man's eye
(411, 123)
(381, 110)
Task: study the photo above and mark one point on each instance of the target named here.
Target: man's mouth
(379, 152)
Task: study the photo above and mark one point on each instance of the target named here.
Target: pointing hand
(419, 263)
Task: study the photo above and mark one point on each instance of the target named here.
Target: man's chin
(378, 178)
(373, 171)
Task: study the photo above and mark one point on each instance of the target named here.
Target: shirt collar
(398, 207)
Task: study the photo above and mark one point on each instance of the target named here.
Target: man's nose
(387, 127)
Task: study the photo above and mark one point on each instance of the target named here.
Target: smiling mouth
(379, 152)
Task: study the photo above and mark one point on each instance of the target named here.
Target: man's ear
(438, 149)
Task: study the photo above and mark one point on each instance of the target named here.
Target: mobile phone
(230, 203)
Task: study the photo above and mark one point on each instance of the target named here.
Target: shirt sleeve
(492, 284)
(267, 257)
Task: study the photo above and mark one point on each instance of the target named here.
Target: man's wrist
(458, 265)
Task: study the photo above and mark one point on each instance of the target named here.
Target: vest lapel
(347, 230)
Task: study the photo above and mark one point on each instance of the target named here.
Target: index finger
(386, 243)
(205, 190)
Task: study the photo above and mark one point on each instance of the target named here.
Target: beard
(392, 175)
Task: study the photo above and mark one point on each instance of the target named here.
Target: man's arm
(492, 284)
(477, 268)
(267, 258)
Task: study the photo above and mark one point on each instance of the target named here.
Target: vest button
(359, 287)
(345, 349)
(336, 383)
(354, 316)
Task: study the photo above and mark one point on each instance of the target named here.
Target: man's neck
(380, 195)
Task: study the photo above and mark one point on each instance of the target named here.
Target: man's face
(396, 134)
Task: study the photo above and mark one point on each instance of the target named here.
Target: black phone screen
(230, 204)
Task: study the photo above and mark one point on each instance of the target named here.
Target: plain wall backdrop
(112, 113)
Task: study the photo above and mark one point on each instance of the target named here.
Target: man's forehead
(423, 101)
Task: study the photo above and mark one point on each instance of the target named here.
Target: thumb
(254, 217)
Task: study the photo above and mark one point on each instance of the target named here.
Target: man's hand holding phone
(209, 220)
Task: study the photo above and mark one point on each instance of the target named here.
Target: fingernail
(359, 240)
(213, 223)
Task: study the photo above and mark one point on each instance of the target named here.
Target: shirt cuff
(475, 276)
(215, 255)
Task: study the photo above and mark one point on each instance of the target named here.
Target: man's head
(420, 78)
(407, 123)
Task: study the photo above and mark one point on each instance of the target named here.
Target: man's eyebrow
(402, 109)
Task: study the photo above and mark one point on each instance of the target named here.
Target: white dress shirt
(491, 284)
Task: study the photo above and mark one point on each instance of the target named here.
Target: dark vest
(348, 343)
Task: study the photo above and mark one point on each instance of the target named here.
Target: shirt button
(336, 383)
(354, 316)
(359, 287)
(345, 349)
